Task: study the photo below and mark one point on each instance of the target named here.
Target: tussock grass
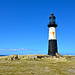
(26, 65)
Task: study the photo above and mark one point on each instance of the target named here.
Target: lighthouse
(52, 44)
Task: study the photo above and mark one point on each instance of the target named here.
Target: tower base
(52, 47)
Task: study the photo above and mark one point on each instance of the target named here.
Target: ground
(26, 65)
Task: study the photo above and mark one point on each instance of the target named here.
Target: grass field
(26, 65)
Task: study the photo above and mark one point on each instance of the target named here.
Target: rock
(11, 58)
(15, 57)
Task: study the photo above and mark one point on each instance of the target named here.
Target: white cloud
(14, 49)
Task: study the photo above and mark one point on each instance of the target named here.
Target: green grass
(26, 65)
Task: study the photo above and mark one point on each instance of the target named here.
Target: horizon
(18, 50)
(24, 26)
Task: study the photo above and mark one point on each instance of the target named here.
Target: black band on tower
(52, 25)
(52, 47)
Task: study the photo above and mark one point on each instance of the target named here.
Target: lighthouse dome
(52, 16)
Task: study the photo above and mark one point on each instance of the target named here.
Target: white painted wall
(52, 33)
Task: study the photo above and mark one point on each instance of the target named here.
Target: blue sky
(24, 30)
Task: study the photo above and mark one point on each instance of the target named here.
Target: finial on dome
(52, 13)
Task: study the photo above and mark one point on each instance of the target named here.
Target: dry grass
(26, 65)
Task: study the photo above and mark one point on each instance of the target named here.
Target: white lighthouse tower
(52, 46)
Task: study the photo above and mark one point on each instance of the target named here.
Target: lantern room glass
(52, 19)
